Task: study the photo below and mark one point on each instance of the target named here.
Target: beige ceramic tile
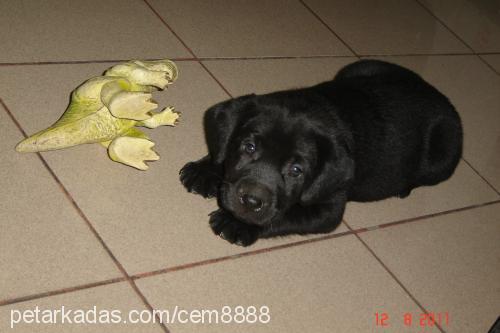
(83, 30)
(44, 243)
(473, 88)
(241, 28)
(261, 76)
(450, 263)
(387, 27)
(319, 287)
(476, 22)
(147, 218)
(493, 60)
(105, 309)
(464, 188)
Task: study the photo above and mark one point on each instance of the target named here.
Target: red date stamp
(429, 319)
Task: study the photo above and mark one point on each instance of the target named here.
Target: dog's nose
(251, 202)
(253, 197)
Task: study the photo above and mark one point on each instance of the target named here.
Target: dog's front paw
(229, 228)
(200, 177)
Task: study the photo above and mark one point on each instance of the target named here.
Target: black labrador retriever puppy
(287, 162)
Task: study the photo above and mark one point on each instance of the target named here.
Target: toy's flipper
(132, 151)
(132, 105)
(167, 116)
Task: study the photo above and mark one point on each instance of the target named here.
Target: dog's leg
(225, 225)
(201, 177)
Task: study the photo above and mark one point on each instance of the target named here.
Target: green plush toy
(107, 109)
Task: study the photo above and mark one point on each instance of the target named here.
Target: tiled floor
(79, 231)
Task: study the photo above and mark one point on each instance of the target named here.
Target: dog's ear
(220, 122)
(333, 173)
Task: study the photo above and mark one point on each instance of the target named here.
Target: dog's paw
(223, 224)
(200, 177)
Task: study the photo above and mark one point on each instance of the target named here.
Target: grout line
(395, 277)
(75, 62)
(456, 35)
(328, 27)
(307, 241)
(417, 54)
(187, 47)
(243, 254)
(483, 178)
(345, 56)
(359, 56)
(488, 64)
(14, 120)
(148, 306)
(79, 62)
(169, 28)
(181, 59)
(60, 291)
(324, 56)
(429, 216)
(216, 80)
(84, 217)
(172, 269)
(424, 7)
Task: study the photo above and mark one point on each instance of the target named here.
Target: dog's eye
(295, 170)
(249, 147)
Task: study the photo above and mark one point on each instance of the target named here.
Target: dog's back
(405, 132)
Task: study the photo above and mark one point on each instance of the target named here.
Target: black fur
(287, 162)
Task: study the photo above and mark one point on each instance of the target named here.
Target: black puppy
(287, 162)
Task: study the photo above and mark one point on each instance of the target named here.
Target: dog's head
(274, 156)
